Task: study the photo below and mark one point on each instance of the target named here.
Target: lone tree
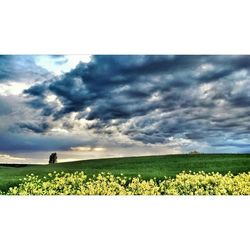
(53, 158)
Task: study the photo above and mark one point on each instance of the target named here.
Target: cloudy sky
(84, 106)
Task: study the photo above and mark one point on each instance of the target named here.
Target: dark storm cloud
(101, 83)
(36, 90)
(5, 108)
(200, 98)
(36, 128)
(21, 69)
(239, 145)
(25, 142)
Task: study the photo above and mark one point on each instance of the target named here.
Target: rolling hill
(146, 166)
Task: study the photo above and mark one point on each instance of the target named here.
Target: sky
(99, 106)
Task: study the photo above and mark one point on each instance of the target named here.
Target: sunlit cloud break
(87, 149)
(5, 158)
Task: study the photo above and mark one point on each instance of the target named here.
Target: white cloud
(155, 97)
(51, 98)
(12, 88)
(5, 158)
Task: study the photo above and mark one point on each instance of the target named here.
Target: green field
(146, 166)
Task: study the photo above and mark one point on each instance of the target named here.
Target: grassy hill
(146, 166)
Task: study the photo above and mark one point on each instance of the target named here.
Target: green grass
(146, 166)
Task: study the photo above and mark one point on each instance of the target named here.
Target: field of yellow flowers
(185, 183)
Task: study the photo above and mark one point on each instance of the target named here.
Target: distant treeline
(13, 165)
